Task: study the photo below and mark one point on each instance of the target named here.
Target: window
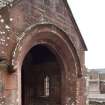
(46, 86)
(102, 87)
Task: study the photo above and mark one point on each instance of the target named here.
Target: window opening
(46, 86)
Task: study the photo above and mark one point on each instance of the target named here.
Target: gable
(25, 13)
(70, 15)
(62, 11)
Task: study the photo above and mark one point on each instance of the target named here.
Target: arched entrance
(64, 66)
(41, 77)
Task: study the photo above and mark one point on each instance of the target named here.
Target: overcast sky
(90, 17)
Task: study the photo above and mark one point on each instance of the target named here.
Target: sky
(90, 18)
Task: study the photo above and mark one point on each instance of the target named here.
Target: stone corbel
(5, 65)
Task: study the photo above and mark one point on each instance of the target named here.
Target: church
(42, 54)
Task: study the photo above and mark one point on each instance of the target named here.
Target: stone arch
(59, 43)
(50, 28)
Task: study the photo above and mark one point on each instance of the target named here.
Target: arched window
(46, 86)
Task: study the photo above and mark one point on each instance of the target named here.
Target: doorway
(41, 77)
